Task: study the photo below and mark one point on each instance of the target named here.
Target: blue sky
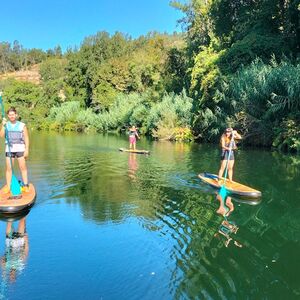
(45, 24)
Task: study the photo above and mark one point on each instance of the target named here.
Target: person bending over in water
(132, 137)
(18, 147)
(228, 141)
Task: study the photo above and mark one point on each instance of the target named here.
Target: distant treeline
(13, 57)
(235, 64)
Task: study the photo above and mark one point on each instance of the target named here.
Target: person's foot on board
(6, 189)
(25, 188)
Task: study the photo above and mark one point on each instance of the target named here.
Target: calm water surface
(111, 225)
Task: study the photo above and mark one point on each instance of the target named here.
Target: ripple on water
(134, 227)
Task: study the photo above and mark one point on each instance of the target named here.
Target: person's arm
(223, 145)
(26, 139)
(137, 135)
(236, 135)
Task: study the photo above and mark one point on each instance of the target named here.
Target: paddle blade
(223, 192)
(15, 187)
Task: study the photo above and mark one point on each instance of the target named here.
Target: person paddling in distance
(18, 148)
(132, 137)
(228, 142)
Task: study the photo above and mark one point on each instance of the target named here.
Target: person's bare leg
(134, 146)
(23, 169)
(230, 205)
(222, 168)
(22, 225)
(221, 210)
(230, 169)
(8, 172)
(8, 228)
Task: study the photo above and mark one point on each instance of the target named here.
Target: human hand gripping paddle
(15, 187)
(223, 191)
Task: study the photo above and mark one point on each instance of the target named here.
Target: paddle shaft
(229, 154)
(223, 192)
(13, 179)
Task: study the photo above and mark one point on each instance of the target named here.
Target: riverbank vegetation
(235, 64)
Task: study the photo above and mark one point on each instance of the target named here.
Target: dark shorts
(225, 153)
(14, 154)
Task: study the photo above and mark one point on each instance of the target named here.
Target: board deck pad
(134, 151)
(14, 205)
(232, 187)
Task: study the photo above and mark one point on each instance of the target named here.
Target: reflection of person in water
(132, 165)
(227, 229)
(226, 207)
(16, 251)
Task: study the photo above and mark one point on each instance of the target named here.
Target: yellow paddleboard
(134, 151)
(9, 204)
(232, 187)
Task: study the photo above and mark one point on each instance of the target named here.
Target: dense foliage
(236, 64)
(243, 66)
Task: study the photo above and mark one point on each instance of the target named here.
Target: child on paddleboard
(228, 142)
(132, 137)
(18, 147)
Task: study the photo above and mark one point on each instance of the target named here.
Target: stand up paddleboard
(134, 151)
(12, 205)
(234, 188)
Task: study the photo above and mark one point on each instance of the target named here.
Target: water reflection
(177, 217)
(226, 207)
(227, 228)
(13, 261)
(132, 166)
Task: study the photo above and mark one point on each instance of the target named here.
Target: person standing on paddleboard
(18, 147)
(228, 142)
(132, 137)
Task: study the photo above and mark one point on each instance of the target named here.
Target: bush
(288, 136)
(172, 112)
(264, 95)
(66, 112)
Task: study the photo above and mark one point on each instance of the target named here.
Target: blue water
(112, 225)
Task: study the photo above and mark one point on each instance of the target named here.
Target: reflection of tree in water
(105, 188)
(91, 184)
(264, 268)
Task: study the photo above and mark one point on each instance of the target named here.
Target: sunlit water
(112, 225)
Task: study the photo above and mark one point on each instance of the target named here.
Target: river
(113, 225)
